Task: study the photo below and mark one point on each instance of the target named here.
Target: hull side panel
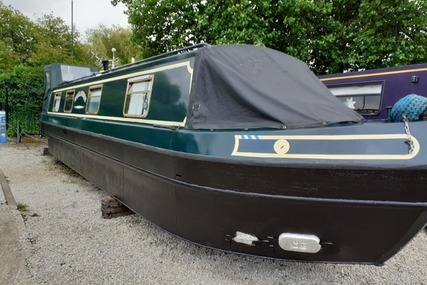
(142, 192)
(163, 188)
(348, 233)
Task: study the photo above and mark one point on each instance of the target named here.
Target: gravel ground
(67, 241)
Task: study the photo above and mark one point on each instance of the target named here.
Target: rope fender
(412, 105)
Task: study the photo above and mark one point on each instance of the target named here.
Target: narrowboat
(372, 93)
(241, 148)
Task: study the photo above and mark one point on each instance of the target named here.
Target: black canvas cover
(244, 86)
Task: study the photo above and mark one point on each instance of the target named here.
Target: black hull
(207, 202)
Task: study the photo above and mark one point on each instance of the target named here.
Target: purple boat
(373, 92)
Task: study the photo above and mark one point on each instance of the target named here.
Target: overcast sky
(87, 13)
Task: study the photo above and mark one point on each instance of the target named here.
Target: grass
(22, 207)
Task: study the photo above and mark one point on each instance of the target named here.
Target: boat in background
(241, 148)
(372, 93)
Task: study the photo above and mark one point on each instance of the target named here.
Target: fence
(23, 107)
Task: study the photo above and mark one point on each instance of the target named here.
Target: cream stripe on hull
(284, 143)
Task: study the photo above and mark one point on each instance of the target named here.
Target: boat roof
(246, 86)
(379, 71)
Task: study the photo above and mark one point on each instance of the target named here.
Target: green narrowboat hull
(349, 193)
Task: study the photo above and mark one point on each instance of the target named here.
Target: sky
(87, 13)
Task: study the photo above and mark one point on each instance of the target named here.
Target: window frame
(71, 92)
(148, 92)
(55, 96)
(364, 111)
(89, 95)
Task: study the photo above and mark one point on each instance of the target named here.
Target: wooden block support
(45, 151)
(111, 208)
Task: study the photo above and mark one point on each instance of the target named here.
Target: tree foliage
(16, 32)
(103, 39)
(330, 35)
(26, 46)
(55, 44)
(159, 26)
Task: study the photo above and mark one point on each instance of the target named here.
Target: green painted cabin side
(156, 93)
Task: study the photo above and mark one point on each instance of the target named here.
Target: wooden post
(18, 133)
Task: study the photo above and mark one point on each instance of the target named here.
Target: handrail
(163, 55)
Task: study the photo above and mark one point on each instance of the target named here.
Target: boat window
(363, 98)
(69, 99)
(138, 96)
(94, 98)
(56, 102)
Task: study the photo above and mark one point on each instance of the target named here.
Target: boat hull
(209, 200)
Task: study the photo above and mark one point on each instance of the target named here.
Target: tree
(25, 47)
(330, 35)
(103, 39)
(389, 33)
(53, 42)
(238, 22)
(8, 57)
(46, 41)
(160, 26)
(16, 32)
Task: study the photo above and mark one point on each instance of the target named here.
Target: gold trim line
(120, 119)
(373, 74)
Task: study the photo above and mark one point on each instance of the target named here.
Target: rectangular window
(94, 99)
(69, 100)
(138, 96)
(363, 98)
(56, 102)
